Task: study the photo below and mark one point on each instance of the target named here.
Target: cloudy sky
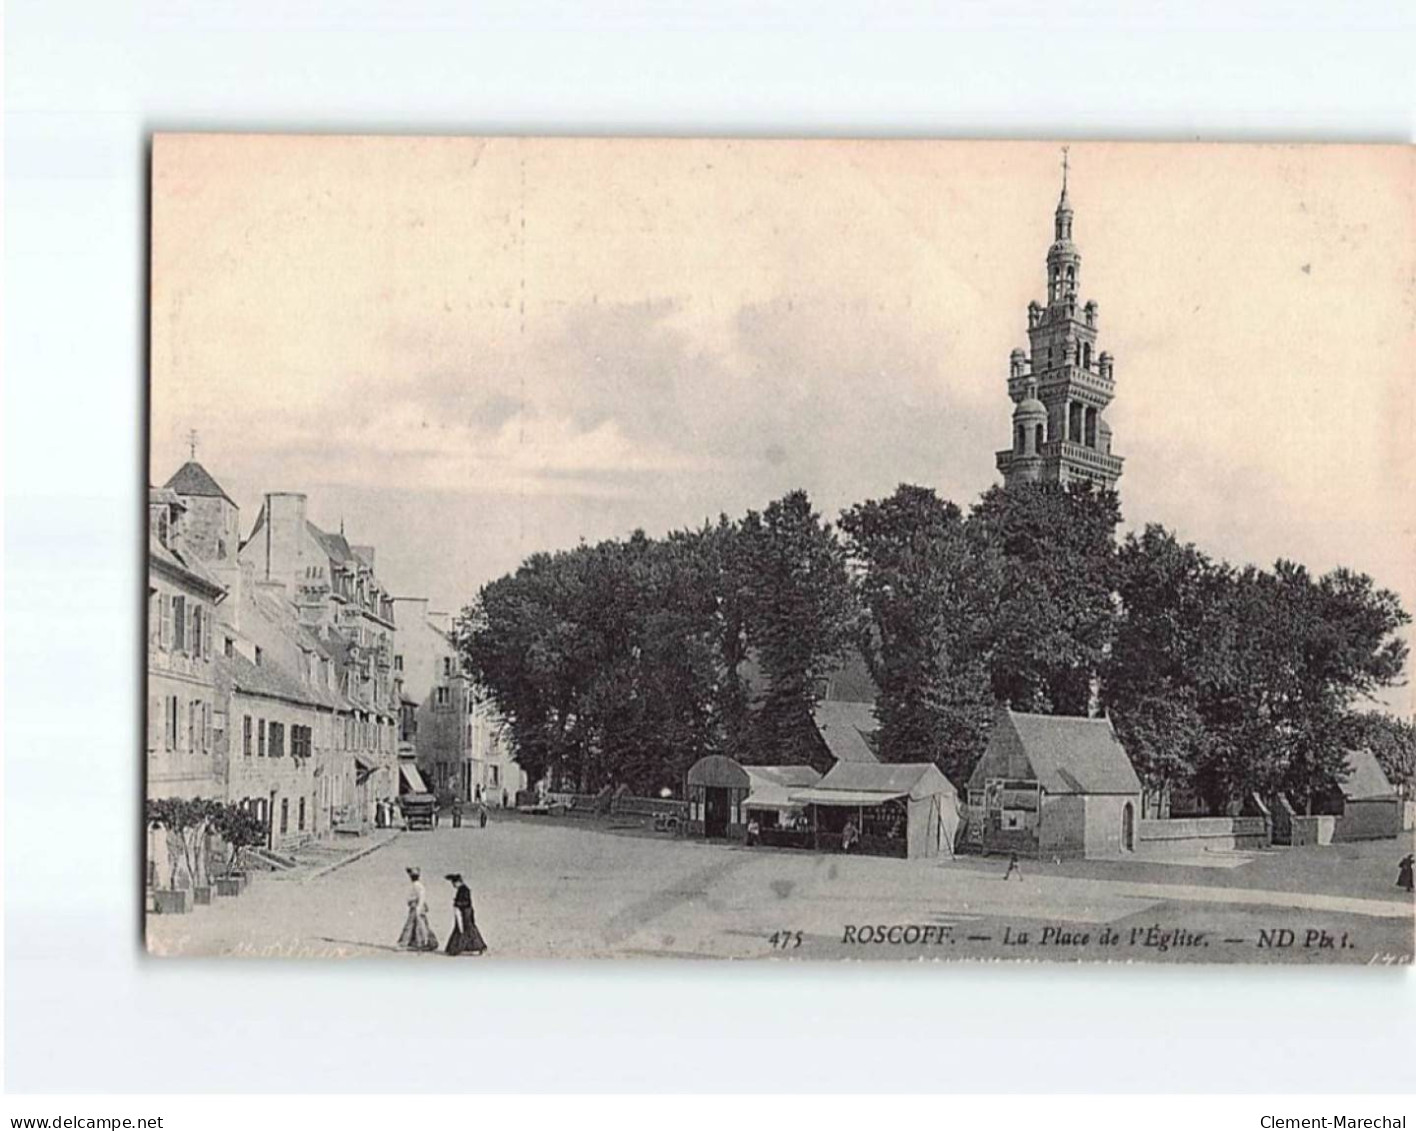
(471, 350)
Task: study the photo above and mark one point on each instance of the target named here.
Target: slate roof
(847, 729)
(335, 545)
(187, 566)
(850, 681)
(847, 682)
(270, 681)
(275, 609)
(1366, 780)
(1073, 755)
(193, 479)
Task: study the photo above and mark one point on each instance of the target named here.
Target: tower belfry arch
(1062, 385)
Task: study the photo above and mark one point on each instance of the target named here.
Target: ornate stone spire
(1063, 387)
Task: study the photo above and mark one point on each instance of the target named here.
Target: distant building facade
(1061, 388)
(290, 751)
(335, 593)
(184, 710)
(270, 663)
(458, 739)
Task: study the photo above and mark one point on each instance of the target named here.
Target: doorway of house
(715, 811)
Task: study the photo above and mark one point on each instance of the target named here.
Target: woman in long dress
(465, 938)
(417, 933)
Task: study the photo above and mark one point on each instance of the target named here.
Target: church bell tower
(1061, 388)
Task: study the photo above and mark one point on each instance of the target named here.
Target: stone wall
(1188, 836)
(1310, 830)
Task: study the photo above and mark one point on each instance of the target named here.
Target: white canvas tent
(931, 805)
(772, 787)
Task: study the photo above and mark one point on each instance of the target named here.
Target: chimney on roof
(284, 537)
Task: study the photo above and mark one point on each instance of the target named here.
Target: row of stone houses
(283, 675)
(454, 742)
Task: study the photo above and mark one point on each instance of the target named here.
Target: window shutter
(164, 611)
(207, 635)
(155, 722)
(206, 727)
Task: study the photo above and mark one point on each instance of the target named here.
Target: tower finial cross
(192, 442)
(1064, 167)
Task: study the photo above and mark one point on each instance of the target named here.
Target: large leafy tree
(1049, 623)
(1172, 649)
(923, 585)
(721, 573)
(620, 662)
(800, 615)
(1338, 634)
(1244, 681)
(520, 640)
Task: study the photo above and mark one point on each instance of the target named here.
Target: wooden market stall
(905, 810)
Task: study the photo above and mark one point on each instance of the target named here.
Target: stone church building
(1062, 387)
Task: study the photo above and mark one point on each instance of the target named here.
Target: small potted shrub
(239, 829)
(164, 817)
(186, 819)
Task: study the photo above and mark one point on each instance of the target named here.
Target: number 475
(785, 940)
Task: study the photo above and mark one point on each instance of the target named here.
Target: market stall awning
(851, 797)
(412, 779)
(771, 797)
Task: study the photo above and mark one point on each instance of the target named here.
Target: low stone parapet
(1188, 836)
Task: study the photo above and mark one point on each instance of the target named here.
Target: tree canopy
(623, 662)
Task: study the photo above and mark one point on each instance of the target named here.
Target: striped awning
(411, 779)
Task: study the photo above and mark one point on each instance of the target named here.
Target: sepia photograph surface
(876, 550)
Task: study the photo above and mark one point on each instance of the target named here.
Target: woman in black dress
(465, 938)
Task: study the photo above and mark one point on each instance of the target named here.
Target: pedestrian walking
(754, 830)
(505, 799)
(1403, 873)
(481, 816)
(456, 813)
(417, 933)
(1013, 869)
(465, 937)
(849, 836)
